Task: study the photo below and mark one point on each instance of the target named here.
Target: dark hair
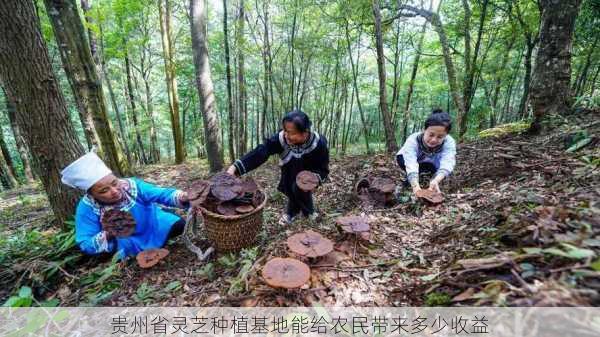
(299, 119)
(439, 118)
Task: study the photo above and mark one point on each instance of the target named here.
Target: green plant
(23, 299)
(437, 299)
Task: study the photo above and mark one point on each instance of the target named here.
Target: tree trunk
(551, 90)
(83, 78)
(355, 85)
(19, 141)
(390, 137)
(131, 99)
(581, 80)
(41, 110)
(242, 101)
(526, 79)
(164, 10)
(436, 23)
(230, 112)
(6, 154)
(113, 100)
(205, 85)
(413, 76)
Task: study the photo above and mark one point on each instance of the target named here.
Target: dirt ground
(520, 226)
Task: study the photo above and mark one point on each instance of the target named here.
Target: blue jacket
(152, 223)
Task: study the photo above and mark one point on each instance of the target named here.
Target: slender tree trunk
(41, 109)
(83, 77)
(242, 101)
(355, 84)
(551, 90)
(526, 79)
(230, 111)
(436, 23)
(19, 141)
(580, 83)
(6, 154)
(131, 99)
(205, 85)
(413, 76)
(390, 136)
(164, 11)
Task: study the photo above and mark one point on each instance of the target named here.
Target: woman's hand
(231, 170)
(434, 186)
(416, 188)
(183, 197)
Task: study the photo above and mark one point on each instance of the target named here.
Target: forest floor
(518, 231)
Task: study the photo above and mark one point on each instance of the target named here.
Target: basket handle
(191, 225)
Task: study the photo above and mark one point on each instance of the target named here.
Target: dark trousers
(176, 229)
(299, 201)
(423, 167)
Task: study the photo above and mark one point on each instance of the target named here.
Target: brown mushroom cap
(384, 185)
(307, 181)
(249, 185)
(151, 257)
(285, 273)
(430, 196)
(354, 224)
(244, 209)
(227, 208)
(309, 244)
(198, 192)
(118, 223)
(225, 187)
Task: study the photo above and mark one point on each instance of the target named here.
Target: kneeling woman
(104, 191)
(299, 149)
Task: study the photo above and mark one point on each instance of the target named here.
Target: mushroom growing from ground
(309, 244)
(118, 223)
(430, 196)
(285, 273)
(354, 224)
(151, 257)
(307, 181)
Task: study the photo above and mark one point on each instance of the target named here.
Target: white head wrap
(84, 172)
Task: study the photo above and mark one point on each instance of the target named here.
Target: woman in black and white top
(299, 149)
(432, 150)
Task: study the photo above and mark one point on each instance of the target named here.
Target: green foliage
(437, 299)
(505, 129)
(23, 299)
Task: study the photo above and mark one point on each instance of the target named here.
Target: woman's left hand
(434, 186)
(183, 197)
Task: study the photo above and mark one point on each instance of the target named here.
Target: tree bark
(164, 10)
(551, 90)
(436, 23)
(413, 76)
(41, 110)
(205, 85)
(390, 136)
(19, 141)
(131, 99)
(230, 112)
(355, 85)
(242, 101)
(6, 154)
(84, 80)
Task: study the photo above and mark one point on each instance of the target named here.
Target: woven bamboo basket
(231, 233)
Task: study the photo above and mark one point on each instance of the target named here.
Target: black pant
(176, 229)
(423, 167)
(299, 201)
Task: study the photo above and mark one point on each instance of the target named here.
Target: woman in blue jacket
(104, 191)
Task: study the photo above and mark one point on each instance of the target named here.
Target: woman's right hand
(231, 170)
(416, 188)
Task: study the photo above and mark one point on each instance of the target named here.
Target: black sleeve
(322, 164)
(259, 155)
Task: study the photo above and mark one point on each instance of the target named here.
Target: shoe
(286, 219)
(314, 216)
